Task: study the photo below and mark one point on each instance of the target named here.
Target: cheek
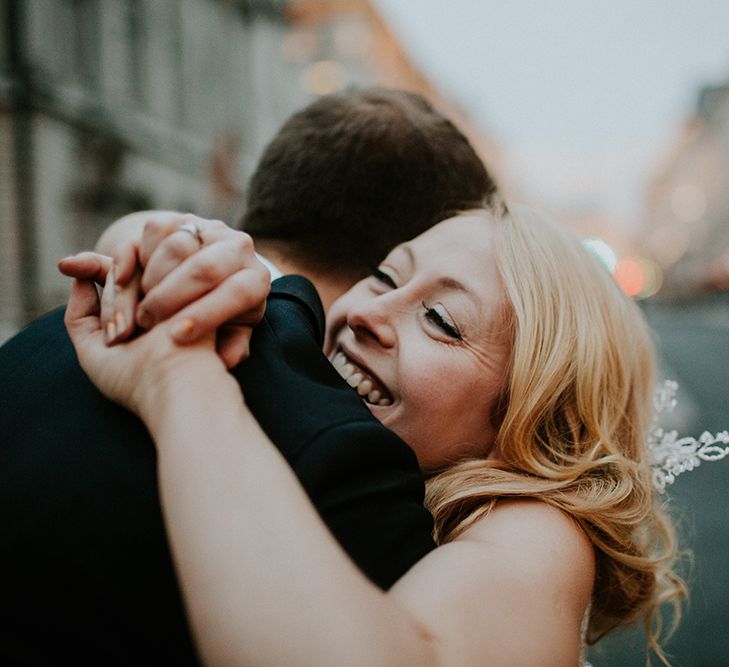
(336, 321)
(423, 385)
(431, 404)
(448, 415)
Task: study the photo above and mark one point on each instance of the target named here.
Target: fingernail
(121, 323)
(181, 331)
(110, 332)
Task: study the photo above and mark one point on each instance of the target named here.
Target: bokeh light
(653, 278)
(603, 251)
(668, 243)
(639, 277)
(630, 276)
(323, 77)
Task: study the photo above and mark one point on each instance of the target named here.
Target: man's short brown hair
(353, 174)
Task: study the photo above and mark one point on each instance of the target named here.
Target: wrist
(182, 383)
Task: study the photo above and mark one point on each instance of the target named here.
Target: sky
(584, 96)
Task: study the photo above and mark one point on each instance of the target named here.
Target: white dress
(582, 661)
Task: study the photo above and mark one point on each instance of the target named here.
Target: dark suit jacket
(85, 567)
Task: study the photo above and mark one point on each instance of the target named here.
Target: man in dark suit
(86, 572)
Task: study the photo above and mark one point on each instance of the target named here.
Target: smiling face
(422, 340)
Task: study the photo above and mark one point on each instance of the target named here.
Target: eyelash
(436, 318)
(430, 313)
(384, 278)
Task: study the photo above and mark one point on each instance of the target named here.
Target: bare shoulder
(538, 540)
(511, 590)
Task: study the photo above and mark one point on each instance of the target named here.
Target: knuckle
(241, 244)
(153, 227)
(205, 270)
(250, 300)
(239, 288)
(238, 248)
(245, 240)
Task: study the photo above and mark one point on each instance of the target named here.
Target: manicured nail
(121, 323)
(182, 331)
(110, 332)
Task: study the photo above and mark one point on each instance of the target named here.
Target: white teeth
(365, 387)
(358, 380)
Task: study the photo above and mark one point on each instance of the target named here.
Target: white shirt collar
(275, 271)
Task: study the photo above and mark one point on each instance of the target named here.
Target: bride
(520, 375)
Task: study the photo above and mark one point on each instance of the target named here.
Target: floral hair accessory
(670, 455)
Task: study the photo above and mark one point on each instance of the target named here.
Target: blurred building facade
(686, 227)
(108, 106)
(111, 106)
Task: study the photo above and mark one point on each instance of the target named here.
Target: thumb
(82, 312)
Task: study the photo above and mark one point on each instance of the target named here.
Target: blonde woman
(521, 377)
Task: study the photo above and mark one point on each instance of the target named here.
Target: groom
(86, 572)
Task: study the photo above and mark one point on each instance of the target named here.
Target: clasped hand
(193, 292)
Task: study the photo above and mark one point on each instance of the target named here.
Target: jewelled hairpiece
(670, 455)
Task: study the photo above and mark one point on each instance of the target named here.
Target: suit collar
(301, 289)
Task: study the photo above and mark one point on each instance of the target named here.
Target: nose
(374, 320)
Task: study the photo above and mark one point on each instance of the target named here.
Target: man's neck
(329, 287)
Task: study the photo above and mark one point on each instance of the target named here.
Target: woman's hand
(134, 374)
(201, 273)
(209, 277)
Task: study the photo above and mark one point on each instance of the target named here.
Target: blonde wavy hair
(572, 422)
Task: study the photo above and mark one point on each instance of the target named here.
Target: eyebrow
(452, 283)
(446, 281)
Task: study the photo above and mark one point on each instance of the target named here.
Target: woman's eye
(384, 278)
(441, 322)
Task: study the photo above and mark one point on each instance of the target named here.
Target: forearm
(264, 581)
